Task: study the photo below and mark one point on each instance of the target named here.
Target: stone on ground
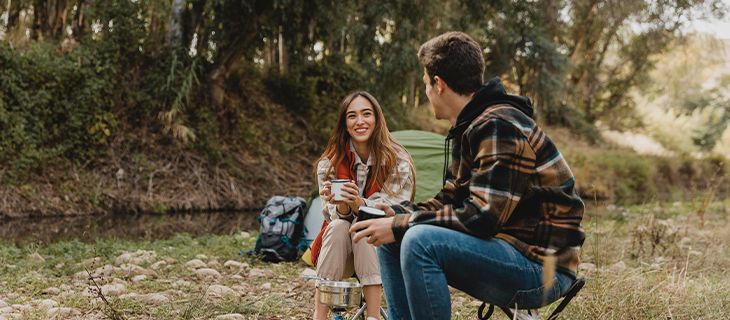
(138, 278)
(48, 303)
(157, 265)
(587, 267)
(7, 310)
(232, 316)
(214, 264)
(618, 267)
(154, 298)
(201, 256)
(196, 264)
(207, 272)
(237, 277)
(220, 291)
(52, 291)
(62, 312)
(91, 262)
(232, 264)
(114, 290)
(256, 272)
(265, 286)
(3, 304)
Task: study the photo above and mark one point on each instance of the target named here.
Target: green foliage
(53, 106)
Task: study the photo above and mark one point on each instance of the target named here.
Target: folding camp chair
(528, 314)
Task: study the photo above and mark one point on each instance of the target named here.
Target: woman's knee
(337, 228)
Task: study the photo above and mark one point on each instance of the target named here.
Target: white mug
(336, 188)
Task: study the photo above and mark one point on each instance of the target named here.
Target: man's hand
(378, 231)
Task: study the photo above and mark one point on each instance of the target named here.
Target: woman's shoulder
(323, 164)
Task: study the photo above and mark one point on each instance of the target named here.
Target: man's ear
(439, 85)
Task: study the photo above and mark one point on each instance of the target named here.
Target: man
(508, 206)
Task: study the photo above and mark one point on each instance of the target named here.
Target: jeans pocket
(536, 298)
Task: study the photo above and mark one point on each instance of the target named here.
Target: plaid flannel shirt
(507, 180)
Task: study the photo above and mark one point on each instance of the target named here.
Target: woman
(360, 149)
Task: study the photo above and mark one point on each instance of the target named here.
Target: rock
(201, 256)
(245, 234)
(128, 267)
(81, 275)
(207, 272)
(265, 286)
(157, 265)
(104, 271)
(154, 298)
(52, 291)
(144, 272)
(196, 264)
(685, 240)
(231, 316)
(220, 291)
(7, 310)
(677, 204)
(245, 265)
(36, 258)
(90, 292)
(611, 207)
(232, 264)
(3, 304)
(171, 260)
(114, 290)
(137, 257)
(89, 263)
(48, 303)
(12, 296)
(138, 278)
(62, 312)
(618, 267)
(308, 272)
(695, 253)
(123, 258)
(67, 294)
(587, 267)
(59, 266)
(237, 277)
(65, 287)
(172, 293)
(214, 264)
(256, 272)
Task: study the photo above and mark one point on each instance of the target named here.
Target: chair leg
(361, 312)
(383, 314)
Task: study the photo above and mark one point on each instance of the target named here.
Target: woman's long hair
(382, 146)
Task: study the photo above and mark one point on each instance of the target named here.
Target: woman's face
(360, 120)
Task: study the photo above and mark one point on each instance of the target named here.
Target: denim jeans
(417, 271)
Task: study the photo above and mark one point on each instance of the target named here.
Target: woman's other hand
(351, 193)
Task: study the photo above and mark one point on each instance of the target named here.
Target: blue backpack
(282, 233)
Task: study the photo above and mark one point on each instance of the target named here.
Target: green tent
(427, 150)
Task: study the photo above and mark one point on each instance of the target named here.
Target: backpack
(282, 233)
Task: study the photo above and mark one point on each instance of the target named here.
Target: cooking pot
(338, 294)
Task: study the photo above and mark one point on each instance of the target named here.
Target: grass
(674, 271)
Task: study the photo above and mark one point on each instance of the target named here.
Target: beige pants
(339, 256)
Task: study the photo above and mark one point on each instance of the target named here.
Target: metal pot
(340, 294)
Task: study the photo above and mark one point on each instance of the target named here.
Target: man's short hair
(456, 58)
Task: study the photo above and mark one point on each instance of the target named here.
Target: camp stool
(360, 312)
(533, 314)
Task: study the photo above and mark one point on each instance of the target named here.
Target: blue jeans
(417, 270)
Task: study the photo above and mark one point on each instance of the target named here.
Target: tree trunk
(40, 19)
(282, 53)
(14, 8)
(174, 25)
(59, 22)
(77, 25)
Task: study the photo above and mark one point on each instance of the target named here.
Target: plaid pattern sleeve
(501, 160)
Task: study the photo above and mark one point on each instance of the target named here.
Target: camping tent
(427, 151)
